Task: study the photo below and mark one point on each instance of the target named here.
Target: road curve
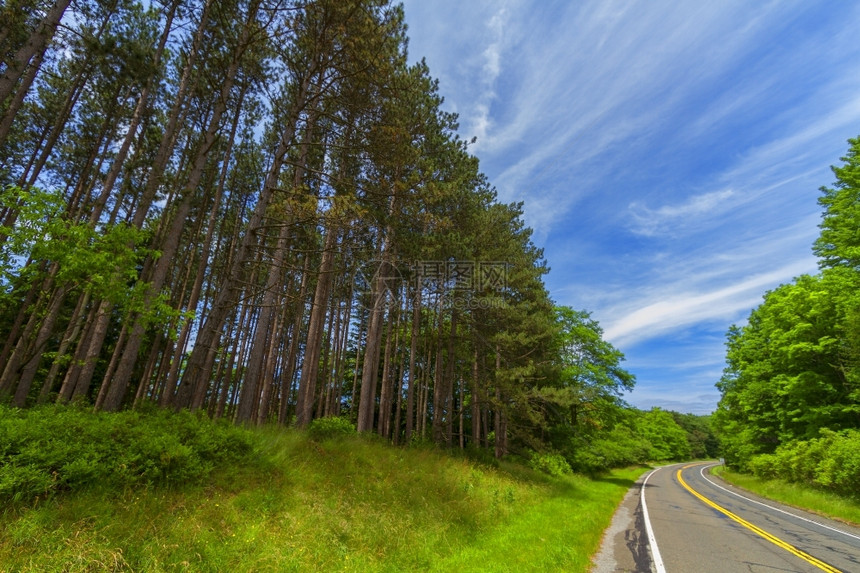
(693, 522)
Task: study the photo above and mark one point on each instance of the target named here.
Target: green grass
(796, 495)
(347, 504)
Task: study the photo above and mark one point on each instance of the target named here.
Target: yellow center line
(772, 538)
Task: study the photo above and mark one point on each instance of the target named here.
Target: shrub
(23, 483)
(618, 448)
(550, 463)
(53, 448)
(830, 462)
(329, 428)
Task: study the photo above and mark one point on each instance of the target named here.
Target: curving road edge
(624, 547)
(704, 526)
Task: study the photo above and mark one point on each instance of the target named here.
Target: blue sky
(669, 154)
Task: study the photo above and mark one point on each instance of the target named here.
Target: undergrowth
(49, 449)
(202, 496)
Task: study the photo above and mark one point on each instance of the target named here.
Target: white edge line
(702, 473)
(652, 541)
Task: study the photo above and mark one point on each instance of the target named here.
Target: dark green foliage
(622, 446)
(482, 456)
(839, 241)
(102, 261)
(700, 435)
(330, 428)
(48, 449)
(790, 401)
(791, 368)
(641, 437)
(830, 462)
(549, 463)
(667, 440)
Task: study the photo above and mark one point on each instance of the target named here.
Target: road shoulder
(624, 548)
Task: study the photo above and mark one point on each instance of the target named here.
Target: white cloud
(649, 221)
(668, 154)
(654, 317)
(713, 283)
(478, 119)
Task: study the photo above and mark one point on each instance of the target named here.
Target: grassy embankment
(288, 503)
(796, 495)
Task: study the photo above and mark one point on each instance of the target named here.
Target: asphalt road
(701, 524)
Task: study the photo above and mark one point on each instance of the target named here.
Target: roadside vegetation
(790, 405)
(271, 499)
(243, 253)
(259, 210)
(832, 505)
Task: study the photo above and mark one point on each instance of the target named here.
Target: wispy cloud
(668, 218)
(668, 154)
(479, 117)
(684, 309)
(579, 98)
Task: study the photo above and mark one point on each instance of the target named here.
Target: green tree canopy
(793, 369)
(786, 374)
(839, 241)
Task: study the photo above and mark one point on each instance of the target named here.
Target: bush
(830, 462)
(550, 463)
(329, 428)
(618, 448)
(23, 483)
(53, 448)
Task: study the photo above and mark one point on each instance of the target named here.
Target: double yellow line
(772, 538)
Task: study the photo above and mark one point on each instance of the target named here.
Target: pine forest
(260, 210)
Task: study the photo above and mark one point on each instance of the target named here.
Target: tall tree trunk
(90, 349)
(170, 245)
(333, 364)
(70, 379)
(476, 401)
(354, 397)
(370, 370)
(341, 356)
(413, 351)
(23, 349)
(439, 378)
(310, 368)
(20, 95)
(206, 338)
(324, 405)
(225, 372)
(134, 123)
(449, 381)
(28, 373)
(262, 414)
(17, 65)
(73, 330)
(460, 412)
(385, 393)
(146, 379)
(292, 353)
(250, 395)
(398, 406)
(424, 389)
(501, 425)
(170, 132)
